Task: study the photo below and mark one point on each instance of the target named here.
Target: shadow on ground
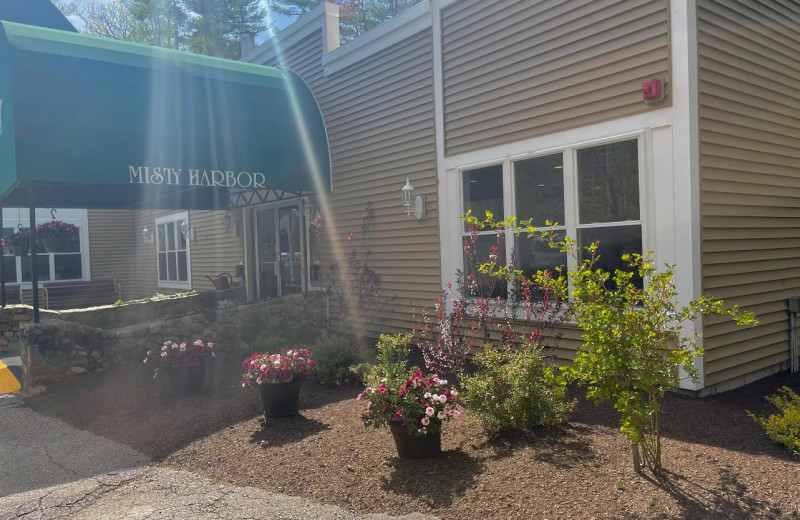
(453, 472)
(717, 420)
(286, 430)
(126, 404)
(728, 500)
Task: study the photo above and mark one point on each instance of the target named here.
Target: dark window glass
(612, 243)
(534, 255)
(68, 267)
(42, 264)
(10, 268)
(608, 182)
(182, 276)
(162, 266)
(486, 245)
(172, 267)
(162, 237)
(539, 188)
(483, 191)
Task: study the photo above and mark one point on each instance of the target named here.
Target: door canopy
(93, 123)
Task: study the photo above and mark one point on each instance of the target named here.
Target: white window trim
(83, 236)
(571, 217)
(175, 217)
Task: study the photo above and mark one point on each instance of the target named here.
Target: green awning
(95, 123)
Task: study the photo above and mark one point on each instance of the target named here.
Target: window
(174, 270)
(62, 266)
(592, 192)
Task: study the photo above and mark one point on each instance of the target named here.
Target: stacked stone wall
(72, 343)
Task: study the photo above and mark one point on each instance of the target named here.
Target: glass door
(280, 251)
(290, 232)
(266, 252)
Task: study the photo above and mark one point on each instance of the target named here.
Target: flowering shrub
(19, 239)
(57, 229)
(283, 367)
(173, 355)
(421, 404)
(492, 302)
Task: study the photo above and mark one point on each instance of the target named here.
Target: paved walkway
(50, 470)
(164, 494)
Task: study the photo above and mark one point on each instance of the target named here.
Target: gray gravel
(159, 493)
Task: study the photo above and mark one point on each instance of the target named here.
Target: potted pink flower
(278, 377)
(185, 362)
(414, 411)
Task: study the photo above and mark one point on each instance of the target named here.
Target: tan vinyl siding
(380, 120)
(112, 248)
(749, 87)
(519, 69)
(212, 251)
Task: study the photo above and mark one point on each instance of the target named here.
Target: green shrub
(335, 354)
(515, 390)
(392, 354)
(783, 428)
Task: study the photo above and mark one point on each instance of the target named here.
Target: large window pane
(485, 247)
(612, 243)
(539, 188)
(162, 266)
(162, 237)
(608, 182)
(483, 191)
(68, 267)
(172, 267)
(171, 236)
(10, 268)
(43, 264)
(182, 276)
(534, 255)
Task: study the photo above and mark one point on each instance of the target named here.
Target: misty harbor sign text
(181, 177)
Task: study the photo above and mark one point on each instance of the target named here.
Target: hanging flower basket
(18, 244)
(56, 235)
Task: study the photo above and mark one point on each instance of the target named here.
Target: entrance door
(279, 250)
(290, 237)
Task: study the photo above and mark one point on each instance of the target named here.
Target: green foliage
(515, 390)
(634, 338)
(392, 354)
(783, 428)
(335, 354)
(211, 27)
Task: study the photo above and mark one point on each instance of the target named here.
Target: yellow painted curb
(8, 383)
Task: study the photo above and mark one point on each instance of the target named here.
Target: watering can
(222, 281)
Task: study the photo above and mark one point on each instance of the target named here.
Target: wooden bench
(13, 294)
(75, 295)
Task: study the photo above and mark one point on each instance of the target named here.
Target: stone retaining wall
(72, 343)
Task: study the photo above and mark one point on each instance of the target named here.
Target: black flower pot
(280, 399)
(55, 245)
(415, 446)
(18, 250)
(188, 379)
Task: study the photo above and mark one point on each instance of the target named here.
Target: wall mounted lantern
(148, 237)
(414, 204)
(188, 232)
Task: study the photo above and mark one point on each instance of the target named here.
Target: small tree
(634, 338)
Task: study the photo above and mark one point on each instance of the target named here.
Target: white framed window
(172, 252)
(594, 191)
(71, 264)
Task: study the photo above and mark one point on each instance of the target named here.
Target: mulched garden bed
(719, 463)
